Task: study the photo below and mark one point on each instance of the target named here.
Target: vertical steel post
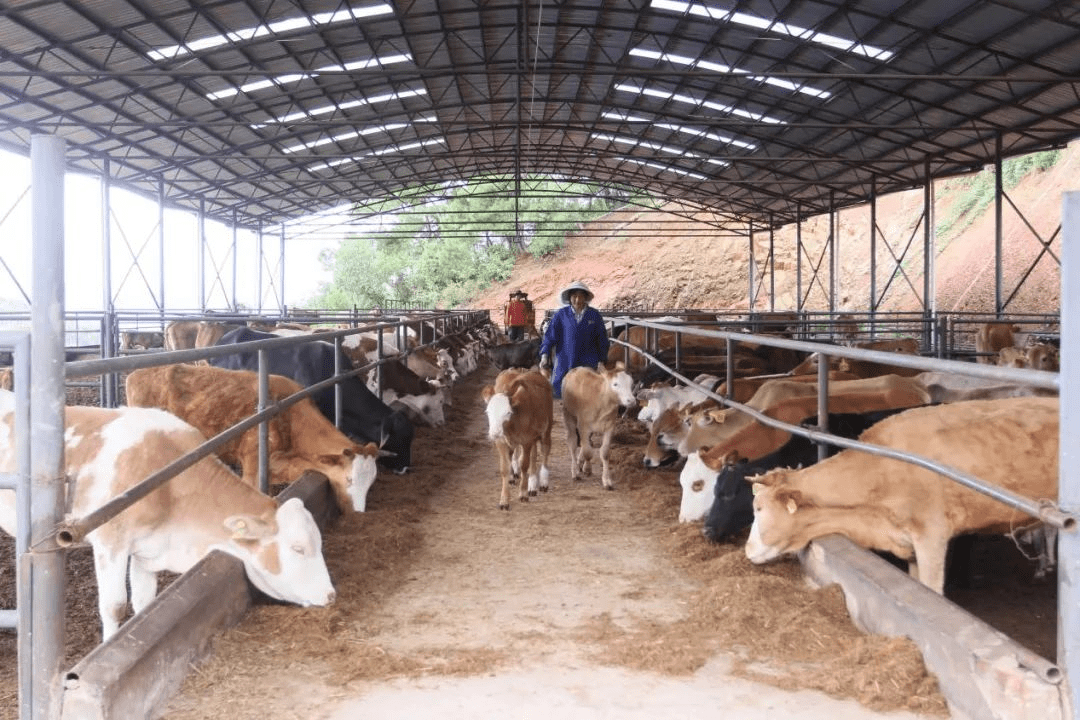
(109, 328)
(161, 249)
(798, 258)
(753, 265)
(45, 570)
(1068, 654)
(106, 238)
(928, 252)
(281, 273)
(999, 230)
(772, 264)
(258, 270)
(202, 255)
(832, 252)
(235, 307)
(873, 253)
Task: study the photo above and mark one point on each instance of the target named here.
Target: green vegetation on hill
(972, 194)
(439, 246)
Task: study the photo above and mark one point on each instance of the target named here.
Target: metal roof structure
(266, 110)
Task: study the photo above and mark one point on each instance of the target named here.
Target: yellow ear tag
(791, 506)
(756, 488)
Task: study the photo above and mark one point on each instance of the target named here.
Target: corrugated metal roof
(756, 109)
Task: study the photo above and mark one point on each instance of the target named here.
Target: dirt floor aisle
(569, 606)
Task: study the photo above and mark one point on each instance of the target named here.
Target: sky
(135, 258)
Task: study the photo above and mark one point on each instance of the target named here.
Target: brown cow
(591, 401)
(991, 337)
(905, 509)
(300, 438)
(731, 429)
(520, 411)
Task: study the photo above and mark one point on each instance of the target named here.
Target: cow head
(777, 521)
(621, 384)
(697, 480)
(282, 555)
(732, 508)
(356, 471)
(498, 411)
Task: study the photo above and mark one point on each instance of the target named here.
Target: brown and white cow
(301, 438)
(206, 507)
(905, 509)
(520, 412)
(591, 401)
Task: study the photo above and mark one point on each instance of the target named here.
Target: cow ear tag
(756, 488)
(791, 506)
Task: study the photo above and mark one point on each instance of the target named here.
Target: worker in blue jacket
(577, 335)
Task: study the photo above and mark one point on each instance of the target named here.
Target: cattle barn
(184, 160)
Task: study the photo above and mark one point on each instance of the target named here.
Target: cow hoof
(532, 493)
(504, 506)
(543, 488)
(609, 487)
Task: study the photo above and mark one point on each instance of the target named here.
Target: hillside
(640, 260)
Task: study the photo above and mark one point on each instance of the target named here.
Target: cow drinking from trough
(206, 507)
(365, 417)
(299, 439)
(905, 509)
(591, 401)
(520, 417)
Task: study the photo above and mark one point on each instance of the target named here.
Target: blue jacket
(575, 344)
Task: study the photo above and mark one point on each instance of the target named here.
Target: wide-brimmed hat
(565, 295)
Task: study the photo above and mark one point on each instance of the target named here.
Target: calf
(299, 439)
(905, 509)
(206, 507)
(520, 417)
(991, 337)
(521, 354)
(591, 401)
(141, 340)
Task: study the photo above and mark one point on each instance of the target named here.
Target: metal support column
(106, 239)
(998, 226)
(108, 329)
(833, 255)
(161, 248)
(872, 307)
(234, 307)
(1068, 655)
(281, 275)
(258, 270)
(43, 570)
(798, 258)
(753, 264)
(928, 253)
(202, 255)
(772, 264)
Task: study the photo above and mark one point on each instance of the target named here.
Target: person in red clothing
(516, 316)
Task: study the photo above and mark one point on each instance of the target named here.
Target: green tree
(442, 245)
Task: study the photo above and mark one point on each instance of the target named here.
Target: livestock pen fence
(997, 690)
(946, 335)
(43, 533)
